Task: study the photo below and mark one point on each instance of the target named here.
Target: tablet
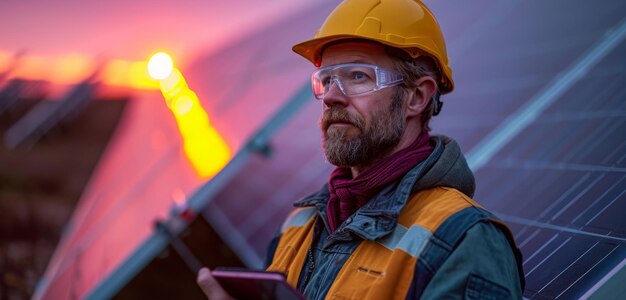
(249, 284)
(238, 283)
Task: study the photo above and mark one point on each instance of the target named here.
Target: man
(395, 220)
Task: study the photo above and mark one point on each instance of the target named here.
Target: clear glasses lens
(353, 79)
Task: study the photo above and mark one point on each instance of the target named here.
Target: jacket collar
(379, 216)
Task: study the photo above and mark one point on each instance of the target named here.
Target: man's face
(360, 129)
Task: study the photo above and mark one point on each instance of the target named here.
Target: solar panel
(565, 175)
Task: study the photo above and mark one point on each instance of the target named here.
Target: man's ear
(420, 96)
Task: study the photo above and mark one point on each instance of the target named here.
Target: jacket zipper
(316, 235)
(311, 268)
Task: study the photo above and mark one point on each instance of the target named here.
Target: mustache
(337, 114)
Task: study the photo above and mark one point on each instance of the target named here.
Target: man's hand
(211, 288)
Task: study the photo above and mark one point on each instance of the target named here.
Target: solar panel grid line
(615, 59)
(621, 159)
(548, 165)
(536, 252)
(546, 242)
(597, 274)
(587, 272)
(605, 207)
(566, 137)
(545, 258)
(511, 149)
(576, 198)
(577, 270)
(526, 206)
(544, 225)
(543, 140)
(564, 187)
(608, 152)
(614, 62)
(603, 77)
(554, 266)
(613, 156)
(592, 156)
(594, 128)
(553, 247)
(611, 90)
(598, 138)
(587, 182)
(588, 97)
(567, 268)
(534, 140)
(544, 188)
(554, 204)
(585, 209)
(597, 201)
(604, 279)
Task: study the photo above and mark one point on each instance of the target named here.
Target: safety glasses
(353, 79)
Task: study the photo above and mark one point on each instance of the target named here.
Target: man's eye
(359, 75)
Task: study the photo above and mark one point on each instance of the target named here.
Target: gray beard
(374, 140)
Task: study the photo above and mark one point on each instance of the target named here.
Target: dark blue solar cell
(556, 260)
(595, 273)
(575, 264)
(594, 201)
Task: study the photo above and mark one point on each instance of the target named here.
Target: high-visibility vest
(429, 226)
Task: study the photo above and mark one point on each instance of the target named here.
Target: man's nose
(334, 95)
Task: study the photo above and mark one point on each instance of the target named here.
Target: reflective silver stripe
(298, 218)
(410, 240)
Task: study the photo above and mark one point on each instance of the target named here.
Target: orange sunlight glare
(203, 145)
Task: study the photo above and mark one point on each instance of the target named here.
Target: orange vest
(381, 269)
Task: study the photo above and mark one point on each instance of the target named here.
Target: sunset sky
(132, 29)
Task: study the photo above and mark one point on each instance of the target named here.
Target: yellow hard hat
(404, 24)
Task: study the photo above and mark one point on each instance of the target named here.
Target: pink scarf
(348, 194)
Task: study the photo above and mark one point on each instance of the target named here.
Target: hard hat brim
(312, 49)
